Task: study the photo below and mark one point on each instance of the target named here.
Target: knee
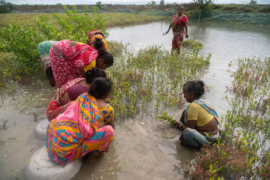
(188, 132)
(109, 131)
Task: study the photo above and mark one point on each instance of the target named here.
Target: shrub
(191, 44)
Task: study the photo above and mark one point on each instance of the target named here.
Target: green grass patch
(191, 44)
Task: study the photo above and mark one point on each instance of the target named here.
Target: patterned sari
(58, 104)
(178, 36)
(191, 137)
(75, 133)
(93, 34)
(43, 51)
(67, 63)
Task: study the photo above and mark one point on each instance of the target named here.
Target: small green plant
(164, 117)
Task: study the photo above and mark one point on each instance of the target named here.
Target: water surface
(143, 148)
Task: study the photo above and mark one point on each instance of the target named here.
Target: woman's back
(198, 113)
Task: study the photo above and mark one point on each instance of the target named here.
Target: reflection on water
(143, 148)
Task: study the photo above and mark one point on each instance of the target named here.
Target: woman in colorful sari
(71, 91)
(43, 50)
(179, 27)
(199, 121)
(70, 59)
(76, 133)
(93, 35)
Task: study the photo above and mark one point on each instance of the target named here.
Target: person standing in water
(179, 27)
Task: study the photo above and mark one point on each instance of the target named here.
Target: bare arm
(52, 82)
(169, 29)
(186, 30)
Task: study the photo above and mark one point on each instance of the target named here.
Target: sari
(178, 36)
(191, 137)
(67, 63)
(58, 104)
(43, 51)
(75, 133)
(93, 34)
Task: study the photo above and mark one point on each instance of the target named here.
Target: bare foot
(91, 157)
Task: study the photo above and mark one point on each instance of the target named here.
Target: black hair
(94, 73)
(102, 53)
(197, 87)
(100, 87)
(180, 7)
(98, 43)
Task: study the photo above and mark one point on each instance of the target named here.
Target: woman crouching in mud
(199, 121)
(76, 133)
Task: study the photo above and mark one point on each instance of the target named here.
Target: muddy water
(143, 148)
(225, 42)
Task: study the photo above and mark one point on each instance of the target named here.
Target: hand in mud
(107, 100)
(180, 125)
(186, 35)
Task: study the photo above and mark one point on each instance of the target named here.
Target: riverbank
(110, 19)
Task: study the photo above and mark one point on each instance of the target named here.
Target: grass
(191, 44)
(110, 19)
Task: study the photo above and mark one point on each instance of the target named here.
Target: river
(142, 148)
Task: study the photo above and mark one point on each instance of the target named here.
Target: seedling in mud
(164, 117)
(4, 124)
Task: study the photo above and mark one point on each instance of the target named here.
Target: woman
(200, 120)
(75, 133)
(71, 91)
(70, 59)
(43, 50)
(93, 35)
(179, 27)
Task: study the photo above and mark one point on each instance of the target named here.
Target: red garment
(178, 36)
(58, 105)
(67, 63)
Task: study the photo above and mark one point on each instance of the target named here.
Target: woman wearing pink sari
(71, 59)
(76, 132)
(179, 27)
(70, 91)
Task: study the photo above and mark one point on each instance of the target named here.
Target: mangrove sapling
(164, 117)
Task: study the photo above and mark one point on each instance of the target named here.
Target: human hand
(167, 31)
(186, 35)
(180, 125)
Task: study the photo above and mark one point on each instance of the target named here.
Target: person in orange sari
(179, 27)
(93, 35)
